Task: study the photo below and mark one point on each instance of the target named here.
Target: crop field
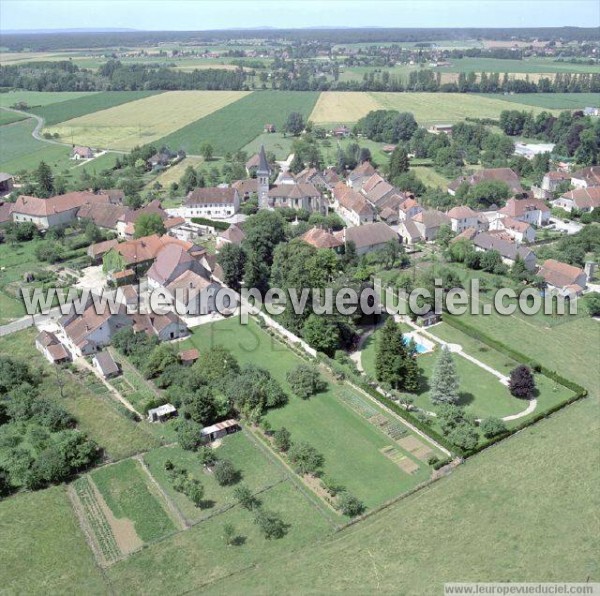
(553, 101)
(96, 413)
(20, 151)
(350, 444)
(10, 117)
(341, 107)
(87, 104)
(235, 125)
(144, 120)
(531, 65)
(126, 490)
(36, 99)
(174, 173)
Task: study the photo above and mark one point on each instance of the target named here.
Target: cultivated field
(235, 125)
(428, 108)
(553, 101)
(145, 120)
(92, 102)
(529, 65)
(39, 98)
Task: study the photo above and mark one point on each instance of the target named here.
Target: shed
(162, 413)
(106, 364)
(219, 430)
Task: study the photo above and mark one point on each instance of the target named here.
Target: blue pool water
(421, 349)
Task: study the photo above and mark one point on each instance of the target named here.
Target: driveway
(570, 227)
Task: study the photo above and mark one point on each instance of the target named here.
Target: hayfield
(530, 65)
(341, 107)
(39, 98)
(92, 102)
(553, 101)
(145, 120)
(235, 125)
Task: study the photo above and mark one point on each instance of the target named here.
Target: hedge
(217, 225)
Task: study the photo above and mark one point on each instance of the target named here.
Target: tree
(149, 223)
(216, 365)
(229, 536)
(464, 436)
(392, 358)
(207, 151)
(188, 434)
(190, 180)
(44, 180)
(305, 459)
(322, 334)
(282, 439)
(271, 525)
(294, 124)
(49, 251)
(444, 382)
(350, 505)
(254, 390)
(194, 491)
(297, 165)
(159, 359)
(225, 473)
(305, 381)
(232, 259)
(398, 164)
(92, 232)
(521, 382)
(491, 427)
(245, 497)
(592, 304)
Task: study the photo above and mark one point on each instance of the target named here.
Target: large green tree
(444, 382)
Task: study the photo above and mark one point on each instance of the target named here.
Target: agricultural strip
(10, 117)
(552, 101)
(338, 107)
(234, 126)
(92, 102)
(126, 490)
(144, 120)
(35, 99)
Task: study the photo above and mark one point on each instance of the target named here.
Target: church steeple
(262, 174)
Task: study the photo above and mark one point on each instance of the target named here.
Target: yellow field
(174, 173)
(340, 106)
(143, 121)
(428, 108)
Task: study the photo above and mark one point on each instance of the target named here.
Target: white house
(212, 203)
(519, 231)
(49, 345)
(582, 199)
(532, 211)
(463, 217)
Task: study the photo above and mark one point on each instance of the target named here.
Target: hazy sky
(222, 14)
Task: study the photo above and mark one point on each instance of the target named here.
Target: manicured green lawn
(42, 548)
(96, 414)
(257, 473)
(125, 488)
(348, 442)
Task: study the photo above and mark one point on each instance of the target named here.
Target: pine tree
(44, 179)
(399, 163)
(391, 355)
(444, 383)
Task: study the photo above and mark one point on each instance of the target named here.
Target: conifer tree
(444, 382)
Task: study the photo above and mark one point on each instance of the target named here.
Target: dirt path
(176, 513)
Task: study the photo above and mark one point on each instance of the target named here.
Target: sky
(187, 15)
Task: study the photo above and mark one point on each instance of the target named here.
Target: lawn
(87, 104)
(234, 126)
(350, 444)
(42, 548)
(126, 490)
(144, 120)
(428, 176)
(519, 495)
(257, 473)
(428, 108)
(191, 559)
(96, 414)
(20, 151)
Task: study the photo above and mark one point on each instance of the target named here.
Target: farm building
(529, 210)
(586, 177)
(219, 430)
(106, 365)
(508, 250)
(506, 175)
(352, 207)
(6, 183)
(320, 238)
(49, 345)
(79, 152)
(162, 413)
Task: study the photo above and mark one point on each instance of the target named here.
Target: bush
(521, 383)
(245, 497)
(225, 473)
(305, 459)
(271, 525)
(491, 427)
(349, 505)
(305, 381)
(207, 456)
(282, 439)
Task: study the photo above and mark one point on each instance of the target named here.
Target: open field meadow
(145, 120)
(341, 107)
(235, 125)
(553, 101)
(527, 65)
(86, 399)
(36, 99)
(20, 151)
(92, 102)
(446, 528)
(10, 117)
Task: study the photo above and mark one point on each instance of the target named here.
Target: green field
(36, 99)
(10, 117)
(126, 490)
(20, 151)
(276, 143)
(257, 473)
(529, 65)
(350, 444)
(92, 102)
(235, 125)
(94, 410)
(553, 101)
(508, 514)
(42, 547)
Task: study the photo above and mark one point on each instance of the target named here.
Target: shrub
(305, 381)
(282, 439)
(207, 456)
(491, 427)
(245, 497)
(225, 473)
(305, 458)
(350, 505)
(271, 525)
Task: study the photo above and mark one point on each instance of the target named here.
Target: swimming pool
(421, 348)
